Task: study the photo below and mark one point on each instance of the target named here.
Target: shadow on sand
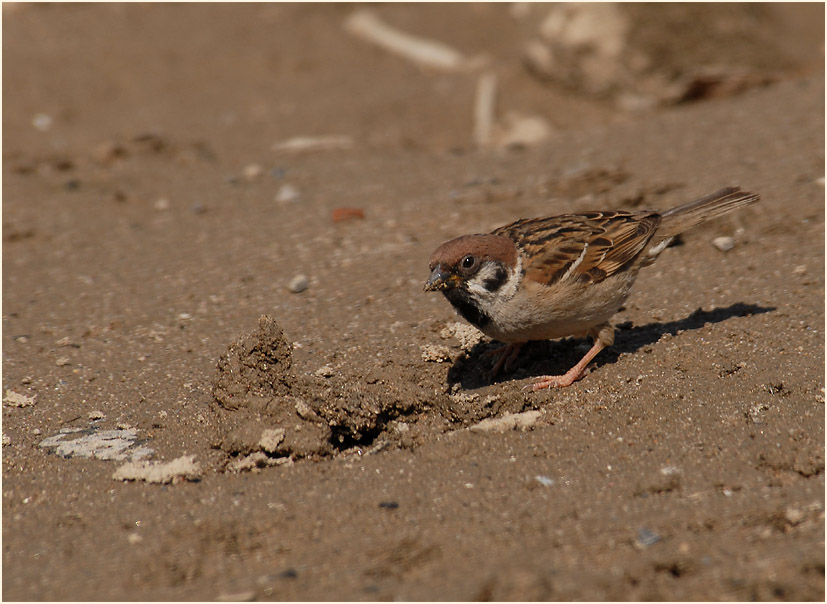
(555, 357)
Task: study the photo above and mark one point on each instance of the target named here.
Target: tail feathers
(711, 206)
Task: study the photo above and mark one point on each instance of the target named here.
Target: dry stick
(429, 53)
(484, 107)
(314, 143)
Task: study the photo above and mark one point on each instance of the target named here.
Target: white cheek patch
(476, 285)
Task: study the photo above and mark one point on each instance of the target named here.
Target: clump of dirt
(271, 415)
(267, 423)
(255, 371)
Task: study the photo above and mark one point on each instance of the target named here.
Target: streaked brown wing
(587, 247)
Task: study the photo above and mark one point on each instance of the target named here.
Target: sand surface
(223, 380)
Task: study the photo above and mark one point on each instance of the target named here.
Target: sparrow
(559, 276)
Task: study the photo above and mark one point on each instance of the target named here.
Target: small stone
(800, 269)
(6, 440)
(162, 204)
(646, 538)
(42, 121)
(298, 284)
(544, 480)
(325, 371)
(401, 427)
(62, 361)
(389, 505)
(343, 214)
(287, 193)
(794, 515)
(252, 171)
(523, 130)
(95, 415)
(724, 243)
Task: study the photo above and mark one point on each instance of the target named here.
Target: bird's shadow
(471, 370)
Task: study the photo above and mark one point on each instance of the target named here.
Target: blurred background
(247, 76)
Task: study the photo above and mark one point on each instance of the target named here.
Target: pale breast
(543, 313)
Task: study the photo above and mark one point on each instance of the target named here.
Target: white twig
(430, 53)
(314, 143)
(484, 108)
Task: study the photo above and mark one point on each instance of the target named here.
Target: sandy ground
(179, 424)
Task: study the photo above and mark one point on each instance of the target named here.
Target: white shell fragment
(99, 444)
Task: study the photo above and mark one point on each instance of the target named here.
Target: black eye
(468, 262)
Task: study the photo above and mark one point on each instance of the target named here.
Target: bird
(558, 276)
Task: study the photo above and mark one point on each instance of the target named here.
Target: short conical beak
(440, 279)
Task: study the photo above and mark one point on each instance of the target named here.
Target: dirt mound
(255, 370)
(271, 415)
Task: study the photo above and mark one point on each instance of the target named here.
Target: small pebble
(325, 371)
(646, 537)
(794, 515)
(800, 269)
(96, 414)
(287, 193)
(544, 480)
(298, 284)
(62, 361)
(342, 214)
(252, 171)
(724, 243)
(42, 122)
(389, 505)
(162, 204)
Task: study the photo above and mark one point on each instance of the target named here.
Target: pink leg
(573, 374)
(507, 354)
